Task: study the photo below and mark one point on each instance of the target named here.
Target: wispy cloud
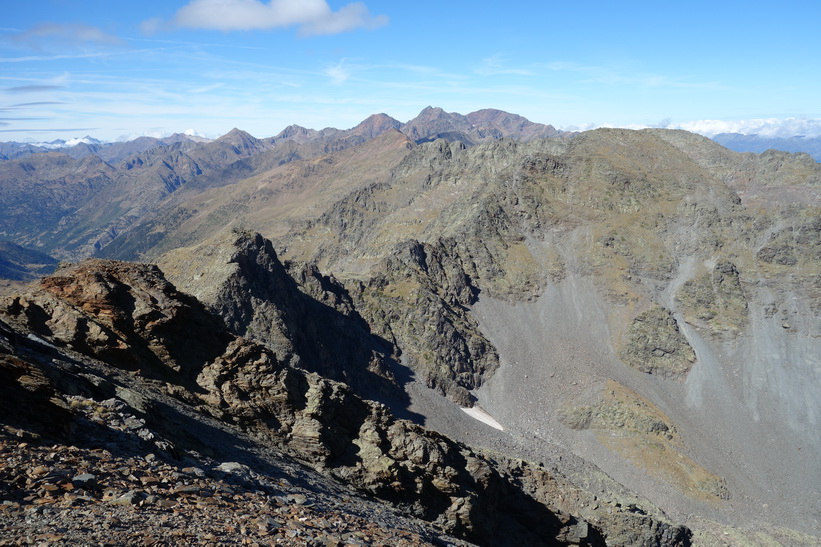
(58, 57)
(38, 103)
(312, 17)
(54, 36)
(497, 65)
(611, 76)
(339, 72)
(50, 130)
(32, 88)
(207, 88)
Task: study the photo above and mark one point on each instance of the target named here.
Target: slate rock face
(420, 303)
(28, 396)
(307, 319)
(358, 441)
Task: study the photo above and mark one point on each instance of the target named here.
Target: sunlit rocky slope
(636, 310)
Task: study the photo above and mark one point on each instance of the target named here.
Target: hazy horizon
(72, 68)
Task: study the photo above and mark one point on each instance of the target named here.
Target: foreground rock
(175, 364)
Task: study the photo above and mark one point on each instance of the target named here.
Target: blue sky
(123, 69)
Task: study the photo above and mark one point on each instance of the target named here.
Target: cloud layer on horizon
(764, 127)
(781, 128)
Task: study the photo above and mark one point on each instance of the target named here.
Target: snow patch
(82, 140)
(60, 143)
(479, 414)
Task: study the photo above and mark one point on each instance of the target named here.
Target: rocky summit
(456, 330)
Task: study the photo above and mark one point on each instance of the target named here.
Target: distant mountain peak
(181, 137)
(236, 133)
(759, 143)
(241, 140)
(296, 132)
(432, 113)
(375, 125)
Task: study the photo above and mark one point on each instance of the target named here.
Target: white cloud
(77, 140)
(313, 17)
(355, 15)
(765, 127)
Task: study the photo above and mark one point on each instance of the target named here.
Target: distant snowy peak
(60, 143)
(193, 135)
(82, 140)
(189, 135)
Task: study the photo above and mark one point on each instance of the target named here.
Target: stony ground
(57, 494)
(107, 487)
(555, 350)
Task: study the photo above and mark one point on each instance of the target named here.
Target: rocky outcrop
(637, 429)
(103, 310)
(125, 314)
(415, 312)
(655, 345)
(420, 303)
(325, 424)
(28, 397)
(798, 242)
(621, 523)
(715, 300)
(307, 319)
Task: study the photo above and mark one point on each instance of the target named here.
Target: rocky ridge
(91, 324)
(92, 193)
(667, 242)
(646, 279)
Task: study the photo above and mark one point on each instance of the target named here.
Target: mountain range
(760, 143)
(511, 333)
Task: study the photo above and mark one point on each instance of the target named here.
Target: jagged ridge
(129, 316)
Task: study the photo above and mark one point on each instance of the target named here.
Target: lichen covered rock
(654, 344)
